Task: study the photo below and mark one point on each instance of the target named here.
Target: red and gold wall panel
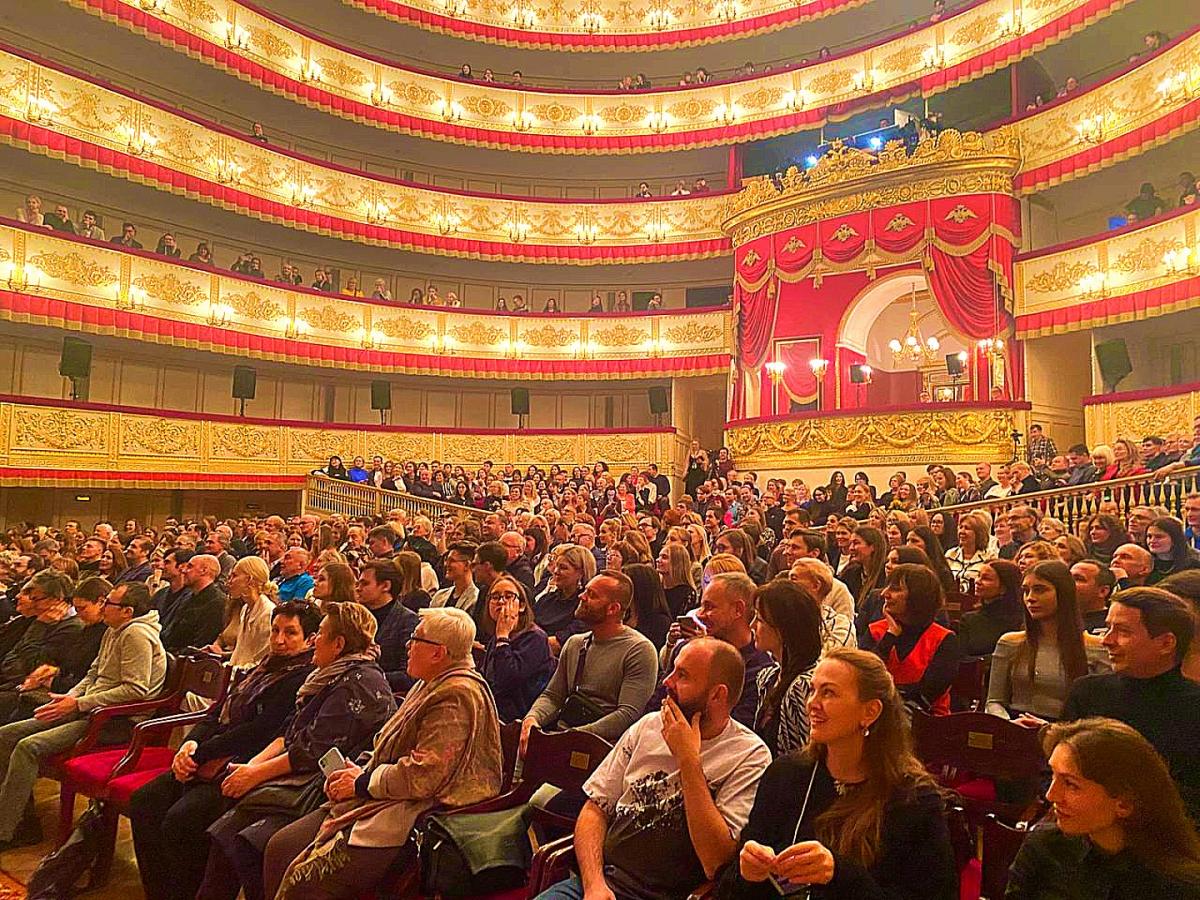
(286, 59)
(1135, 273)
(96, 288)
(57, 113)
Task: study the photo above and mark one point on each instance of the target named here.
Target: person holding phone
(855, 812)
(517, 661)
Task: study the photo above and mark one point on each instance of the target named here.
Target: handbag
(475, 853)
(579, 710)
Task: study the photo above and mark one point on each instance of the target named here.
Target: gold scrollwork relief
(405, 329)
(160, 436)
(251, 306)
(1064, 276)
(75, 269)
(549, 336)
(244, 441)
(620, 336)
(57, 429)
(327, 318)
(478, 334)
(693, 333)
(170, 289)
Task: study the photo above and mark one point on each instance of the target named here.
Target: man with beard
(666, 806)
(605, 675)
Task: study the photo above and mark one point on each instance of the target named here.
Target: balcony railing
(1072, 505)
(331, 497)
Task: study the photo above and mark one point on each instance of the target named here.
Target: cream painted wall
(1058, 375)
(1163, 351)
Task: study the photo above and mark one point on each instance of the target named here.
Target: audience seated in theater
(1150, 633)
(1119, 829)
(921, 654)
(998, 589)
(649, 613)
(130, 666)
(605, 675)
(726, 608)
(854, 814)
(342, 703)
(247, 638)
(666, 805)
(1094, 587)
(60, 220)
(171, 814)
(379, 588)
(441, 748)
(516, 661)
(461, 592)
(127, 237)
(787, 626)
(815, 577)
(195, 620)
(1033, 669)
(555, 610)
(31, 212)
(1104, 535)
(293, 581)
(90, 228)
(1167, 543)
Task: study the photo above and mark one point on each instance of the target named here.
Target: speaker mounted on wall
(245, 381)
(519, 398)
(75, 362)
(1113, 359)
(660, 401)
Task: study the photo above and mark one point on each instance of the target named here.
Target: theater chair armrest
(148, 734)
(100, 717)
(552, 863)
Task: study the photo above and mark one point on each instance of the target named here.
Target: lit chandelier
(913, 347)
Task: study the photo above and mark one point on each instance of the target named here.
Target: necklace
(844, 787)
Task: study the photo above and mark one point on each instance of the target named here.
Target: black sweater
(259, 724)
(915, 859)
(1165, 710)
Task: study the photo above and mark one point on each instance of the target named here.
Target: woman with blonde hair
(854, 812)
(554, 610)
(412, 595)
(1127, 458)
(1105, 462)
(674, 564)
(815, 576)
(1051, 528)
(1033, 553)
(248, 633)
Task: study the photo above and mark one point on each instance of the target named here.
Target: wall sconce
(456, 7)
(227, 171)
(590, 123)
(371, 339)
(152, 5)
(302, 194)
(380, 95)
(819, 367)
(24, 279)
(795, 100)
(518, 230)
(310, 71)
(727, 10)
(447, 223)
(657, 122)
(586, 233)
(991, 347)
(1091, 129)
(656, 231)
(592, 22)
(934, 57)
(449, 110)
(377, 212)
(236, 37)
(1011, 24)
(865, 80)
(1182, 259)
(654, 346)
(1094, 284)
(219, 314)
(295, 329)
(523, 120)
(523, 16)
(135, 299)
(39, 109)
(726, 114)
(659, 18)
(1175, 88)
(138, 140)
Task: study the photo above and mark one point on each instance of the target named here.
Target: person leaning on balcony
(1146, 204)
(31, 213)
(127, 237)
(89, 228)
(381, 291)
(1190, 457)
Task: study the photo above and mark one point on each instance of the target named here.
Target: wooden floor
(19, 864)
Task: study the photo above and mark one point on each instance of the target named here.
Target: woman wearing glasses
(517, 662)
(442, 747)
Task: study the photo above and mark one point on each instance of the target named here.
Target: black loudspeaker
(954, 365)
(1113, 359)
(244, 380)
(859, 374)
(381, 395)
(520, 401)
(660, 403)
(76, 358)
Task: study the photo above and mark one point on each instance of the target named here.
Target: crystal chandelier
(912, 347)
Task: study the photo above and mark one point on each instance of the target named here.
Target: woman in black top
(1170, 548)
(336, 469)
(649, 613)
(169, 815)
(998, 589)
(855, 814)
(1120, 831)
(837, 490)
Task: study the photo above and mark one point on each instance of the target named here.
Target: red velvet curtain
(798, 385)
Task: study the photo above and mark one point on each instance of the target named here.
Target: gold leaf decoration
(4, 257)
(485, 107)
(625, 114)
(751, 257)
(761, 98)
(340, 72)
(271, 44)
(413, 94)
(198, 11)
(60, 430)
(794, 243)
(1064, 276)
(170, 289)
(693, 108)
(251, 306)
(73, 268)
(693, 333)
(620, 336)
(831, 82)
(478, 334)
(555, 113)
(549, 336)
(243, 441)
(960, 214)
(327, 318)
(405, 329)
(844, 233)
(160, 436)
(975, 31)
(899, 222)
(1148, 254)
(313, 445)
(903, 59)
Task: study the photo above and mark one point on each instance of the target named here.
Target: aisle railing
(1072, 505)
(330, 497)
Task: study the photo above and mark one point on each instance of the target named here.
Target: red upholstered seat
(89, 774)
(121, 789)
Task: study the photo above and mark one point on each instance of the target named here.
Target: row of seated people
(325, 278)
(590, 634)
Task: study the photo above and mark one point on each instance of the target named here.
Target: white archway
(864, 309)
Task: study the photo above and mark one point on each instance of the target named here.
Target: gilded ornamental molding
(45, 264)
(848, 180)
(886, 439)
(926, 60)
(1169, 416)
(55, 435)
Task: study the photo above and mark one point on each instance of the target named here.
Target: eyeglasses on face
(416, 639)
(505, 595)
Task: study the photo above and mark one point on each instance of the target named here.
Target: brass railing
(1072, 505)
(330, 496)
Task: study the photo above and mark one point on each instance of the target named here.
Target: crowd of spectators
(1148, 203)
(325, 278)
(753, 654)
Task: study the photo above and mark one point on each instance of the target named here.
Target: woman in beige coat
(442, 747)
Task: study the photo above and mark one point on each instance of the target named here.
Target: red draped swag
(798, 384)
(965, 243)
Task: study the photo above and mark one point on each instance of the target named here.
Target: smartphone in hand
(332, 761)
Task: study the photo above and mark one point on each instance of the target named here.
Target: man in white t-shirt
(666, 807)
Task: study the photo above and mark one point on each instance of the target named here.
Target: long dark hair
(937, 557)
(1069, 625)
(874, 571)
(852, 826)
(1158, 833)
(648, 595)
(1182, 555)
(796, 615)
(925, 595)
(1009, 602)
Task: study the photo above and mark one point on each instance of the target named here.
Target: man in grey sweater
(130, 666)
(618, 673)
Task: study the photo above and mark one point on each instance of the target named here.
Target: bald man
(518, 564)
(201, 616)
(1132, 566)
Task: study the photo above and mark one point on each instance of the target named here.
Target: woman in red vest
(922, 655)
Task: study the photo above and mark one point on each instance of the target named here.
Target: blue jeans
(571, 889)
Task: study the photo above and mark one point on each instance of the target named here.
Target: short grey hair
(453, 628)
(739, 585)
